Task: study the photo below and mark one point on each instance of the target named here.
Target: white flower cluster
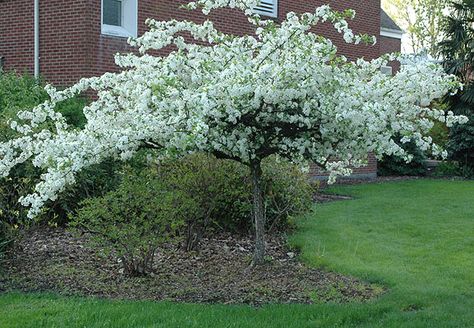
(281, 91)
(208, 5)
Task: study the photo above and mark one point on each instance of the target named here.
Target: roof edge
(391, 33)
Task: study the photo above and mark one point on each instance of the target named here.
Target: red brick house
(390, 36)
(64, 41)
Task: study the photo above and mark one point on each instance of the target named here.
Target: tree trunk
(258, 213)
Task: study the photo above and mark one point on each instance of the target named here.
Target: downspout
(37, 40)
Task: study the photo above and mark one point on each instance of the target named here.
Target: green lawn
(416, 237)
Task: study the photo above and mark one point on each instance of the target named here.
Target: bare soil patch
(55, 260)
(326, 198)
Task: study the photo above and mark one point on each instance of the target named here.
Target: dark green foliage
(395, 165)
(222, 188)
(458, 53)
(461, 147)
(91, 182)
(135, 219)
(440, 134)
(459, 41)
(209, 196)
(5, 238)
(447, 169)
(288, 193)
(20, 92)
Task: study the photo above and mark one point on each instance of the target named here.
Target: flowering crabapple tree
(282, 91)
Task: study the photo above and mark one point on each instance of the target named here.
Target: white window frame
(129, 27)
(274, 13)
(387, 70)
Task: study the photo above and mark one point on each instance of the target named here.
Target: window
(112, 12)
(119, 17)
(267, 8)
(386, 70)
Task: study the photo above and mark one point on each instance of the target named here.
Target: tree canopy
(422, 21)
(284, 91)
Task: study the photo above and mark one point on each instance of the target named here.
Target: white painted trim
(274, 13)
(115, 31)
(395, 34)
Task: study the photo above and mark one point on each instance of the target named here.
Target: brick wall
(366, 172)
(71, 45)
(64, 55)
(16, 34)
(367, 21)
(389, 45)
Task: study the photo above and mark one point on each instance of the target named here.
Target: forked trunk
(258, 213)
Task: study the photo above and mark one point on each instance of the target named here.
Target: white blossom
(281, 91)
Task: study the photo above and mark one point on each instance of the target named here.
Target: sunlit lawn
(415, 237)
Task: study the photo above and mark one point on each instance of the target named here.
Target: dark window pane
(112, 12)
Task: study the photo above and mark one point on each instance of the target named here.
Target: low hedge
(216, 194)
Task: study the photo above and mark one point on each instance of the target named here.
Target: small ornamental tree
(283, 90)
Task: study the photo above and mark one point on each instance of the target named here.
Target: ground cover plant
(415, 237)
(282, 91)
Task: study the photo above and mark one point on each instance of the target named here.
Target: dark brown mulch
(55, 260)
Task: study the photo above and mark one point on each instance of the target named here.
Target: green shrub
(134, 220)
(207, 196)
(461, 147)
(220, 189)
(92, 182)
(221, 192)
(20, 92)
(288, 193)
(447, 169)
(395, 165)
(440, 134)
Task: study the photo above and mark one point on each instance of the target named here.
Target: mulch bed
(54, 260)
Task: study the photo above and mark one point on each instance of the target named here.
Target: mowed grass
(415, 237)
